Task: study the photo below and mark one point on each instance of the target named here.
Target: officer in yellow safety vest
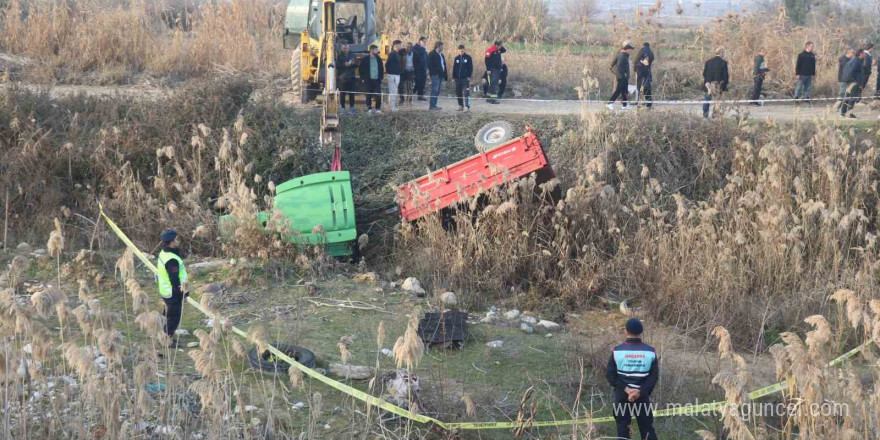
(172, 280)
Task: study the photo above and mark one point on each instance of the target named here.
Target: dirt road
(776, 111)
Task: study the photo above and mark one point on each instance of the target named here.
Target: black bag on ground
(447, 328)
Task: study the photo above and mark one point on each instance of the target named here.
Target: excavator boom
(331, 130)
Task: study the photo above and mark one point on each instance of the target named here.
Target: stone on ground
(413, 285)
(449, 299)
(526, 328)
(549, 325)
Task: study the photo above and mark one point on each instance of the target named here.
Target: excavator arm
(331, 130)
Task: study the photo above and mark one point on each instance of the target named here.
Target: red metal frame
(469, 177)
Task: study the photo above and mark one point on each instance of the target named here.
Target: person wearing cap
(172, 280)
(494, 64)
(633, 372)
(620, 69)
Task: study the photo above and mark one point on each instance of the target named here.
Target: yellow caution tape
(684, 410)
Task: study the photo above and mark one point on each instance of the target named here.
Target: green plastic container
(323, 199)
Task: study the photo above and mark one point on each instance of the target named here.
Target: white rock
(526, 328)
(299, 405)
(249, 408)
(494, 344)
(488, 319)
(23, 247)
(40, 252)
(412, 284)
(511, 314)
(449, 299)
(549, 325)
(528, 319)
(387, 352)
(548, 335)
(192, 345)
(181, 332)
(327, 426)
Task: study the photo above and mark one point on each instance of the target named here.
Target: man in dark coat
(868, 64)
(759, 73)
(372, 71)
(494, 64)
(841, 64)
(437, 69)
(620, 69)
(345, 68)
(393, 71)
(805, 69)
(715, 79)
(644, 79)
(420, 64)
(854, 77)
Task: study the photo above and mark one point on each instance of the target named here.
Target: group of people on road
(406, 72)
(854, 72)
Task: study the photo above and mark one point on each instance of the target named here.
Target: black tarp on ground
(443, 328)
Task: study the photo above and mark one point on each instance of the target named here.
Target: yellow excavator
(315, 30)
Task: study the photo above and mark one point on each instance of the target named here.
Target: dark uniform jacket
(463, 67)
(841, 64)
(437, 65)
(392, 65)
(633, 364)
(854, 71)
(760, 66)
(620, 66)
(345, 72)
(645, 53)
(420, 58)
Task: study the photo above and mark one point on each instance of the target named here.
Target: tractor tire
(267, 363)
(493, 134)
(296, 82)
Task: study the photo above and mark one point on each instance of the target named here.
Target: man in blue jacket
(420, 64)
(462, 70)
(633, 372)
(854, 77)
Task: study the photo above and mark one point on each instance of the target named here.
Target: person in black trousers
(805, 69)
(345, 66)
(854, 77)
(462, 70)
(633, 372)
(759, 73)
(644, 78)
(420, 64)
(620, 68)
(494, 63)
(868, 64)
(715, 80)
(372, 71)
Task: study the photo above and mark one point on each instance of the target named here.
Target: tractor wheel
(296, 82)
(493, 134)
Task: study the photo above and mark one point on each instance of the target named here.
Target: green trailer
(323, 199)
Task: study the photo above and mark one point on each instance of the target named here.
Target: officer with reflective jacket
(633, 372)
(172, 280)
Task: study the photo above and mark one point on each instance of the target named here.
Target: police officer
(633, 372)
(494, 64)
(172, 280)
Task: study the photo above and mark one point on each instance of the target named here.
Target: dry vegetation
(123, 42)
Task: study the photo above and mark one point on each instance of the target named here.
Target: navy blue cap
(634, 326)
(168, 236)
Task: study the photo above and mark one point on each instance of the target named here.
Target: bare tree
(579, 11)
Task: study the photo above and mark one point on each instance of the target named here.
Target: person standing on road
(620, 68)
(494, 64)
(372, 71)
(805, 69)
(853, 76)
(868, 64)
(633, 372)
(437, 69)
(420, 66)
(644, 78)
(462, 70)
(393, 70)
(409, 70)
(841, 65)
(715, 79)
(172, 280)
(345, 66)
(759, 73)
(502, 80)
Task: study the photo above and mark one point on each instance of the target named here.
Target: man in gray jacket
(620, 68)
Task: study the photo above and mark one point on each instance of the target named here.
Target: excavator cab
(305, 33)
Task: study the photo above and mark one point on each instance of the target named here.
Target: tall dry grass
(111, 42)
